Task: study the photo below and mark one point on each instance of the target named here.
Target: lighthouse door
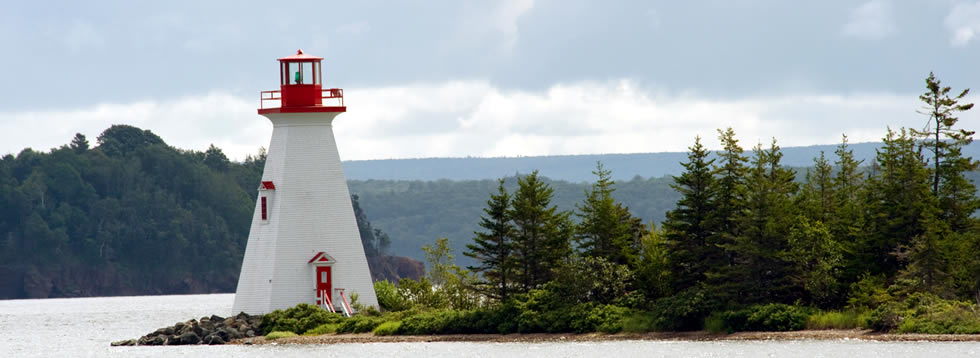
(323, 284)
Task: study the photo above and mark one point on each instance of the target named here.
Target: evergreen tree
(761, 273)
(492, 248)
(542, 234)
(605, 229)
(897, 203)
(79, 144)
(846, 225)
(727, 194)
(687, 229)
(817, 198)
(942, 109)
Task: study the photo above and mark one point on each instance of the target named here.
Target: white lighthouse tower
(304, 245)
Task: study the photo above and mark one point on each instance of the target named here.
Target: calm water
(84, 327)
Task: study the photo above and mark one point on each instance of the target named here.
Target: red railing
(336, 95)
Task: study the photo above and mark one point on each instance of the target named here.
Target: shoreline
(820, 335)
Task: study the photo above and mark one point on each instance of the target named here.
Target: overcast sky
(485, 78)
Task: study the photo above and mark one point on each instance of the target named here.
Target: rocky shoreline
(831, 335)
(208, 330)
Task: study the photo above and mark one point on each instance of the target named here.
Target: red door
(322, 283)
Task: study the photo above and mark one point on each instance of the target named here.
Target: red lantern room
(301, 88)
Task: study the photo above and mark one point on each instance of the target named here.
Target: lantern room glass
(300, 73)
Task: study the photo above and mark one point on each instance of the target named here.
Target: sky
(486, 78)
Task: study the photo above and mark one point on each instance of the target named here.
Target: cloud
(475, 118)
(874, 20)
(963, 22)
(505, 19)
(189, 123)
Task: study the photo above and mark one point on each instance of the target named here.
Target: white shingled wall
(310, 211)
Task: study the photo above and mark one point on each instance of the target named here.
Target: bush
(359, 324)
(389, 298)
(592, 318)
(279, 334)
(684, 311)
(770, 317)
(387, 328)
(926, 313)
(640, 321)
(298, 319)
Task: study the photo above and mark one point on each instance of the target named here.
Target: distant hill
(573, 168)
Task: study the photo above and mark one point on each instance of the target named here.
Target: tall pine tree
(687, 229)
(542, 234)
(492, 248)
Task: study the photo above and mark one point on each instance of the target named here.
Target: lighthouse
(303, 245)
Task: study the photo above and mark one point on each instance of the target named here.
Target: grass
(837, 320)
(387, 328)
(325, 328)
(279, 334)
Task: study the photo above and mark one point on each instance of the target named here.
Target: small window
(323, 276)
(265, 212)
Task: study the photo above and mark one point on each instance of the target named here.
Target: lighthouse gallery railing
(333, 94)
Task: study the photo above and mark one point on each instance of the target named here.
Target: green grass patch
(326, 328)
(387, 328)
(279, 334)
(837, 320)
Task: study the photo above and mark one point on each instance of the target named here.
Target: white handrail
(326, 301)
(345, 306)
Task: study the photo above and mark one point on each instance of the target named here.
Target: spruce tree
(542, 234)
(898, 201)
(687, 229)
(605, 229)
(493, 247)
(727, 192)
(761, 273)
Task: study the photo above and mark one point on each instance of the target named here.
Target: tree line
(745, 232)
(158, 218)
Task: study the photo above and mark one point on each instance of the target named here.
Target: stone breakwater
(207, 330)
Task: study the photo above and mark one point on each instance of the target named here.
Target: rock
(157, 340)
(214, 339)
(164, 331)
(189, 338)
(250, 333)
(128, 342)
(216, 318)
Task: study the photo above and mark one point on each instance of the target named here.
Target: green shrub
(298, 319)
(640, 321)
(769, 317)
(684, 311)
(715, 323)
(325, 328)
(926, 313)
(389, 298)
(387, 328)
(359, 324)
(279, 334)
(592, 318)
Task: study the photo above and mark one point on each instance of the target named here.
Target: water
(84, 327)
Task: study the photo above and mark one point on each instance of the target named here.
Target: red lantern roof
(301, 57)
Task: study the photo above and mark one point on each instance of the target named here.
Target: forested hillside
(573, 168)
(417, 212)
(131, 215)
